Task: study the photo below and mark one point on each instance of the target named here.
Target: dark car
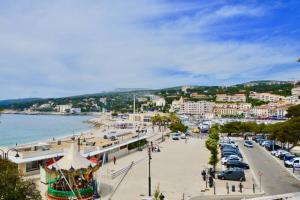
(237, 163)
(281, 156)
(229, 153)
(269, 146)
(235, 174)
(288, 156)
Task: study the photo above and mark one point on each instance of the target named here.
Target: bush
(13, 187)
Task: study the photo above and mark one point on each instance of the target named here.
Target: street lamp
(5, 154)
(78, 141)
(149, 175)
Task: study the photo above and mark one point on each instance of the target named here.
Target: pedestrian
(203, 175)
(115, 159)
(185, 139)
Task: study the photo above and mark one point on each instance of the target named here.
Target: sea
(21, 129)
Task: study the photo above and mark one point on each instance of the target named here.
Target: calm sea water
(30, 128)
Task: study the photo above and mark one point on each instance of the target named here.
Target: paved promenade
(177, 170)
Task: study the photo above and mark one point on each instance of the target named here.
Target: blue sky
(67, 47)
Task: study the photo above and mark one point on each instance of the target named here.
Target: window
(32, 166)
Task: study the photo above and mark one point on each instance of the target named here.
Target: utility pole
(133, 103)
(149, 175)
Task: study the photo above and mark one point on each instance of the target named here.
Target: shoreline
(14, 112)
(89, 132)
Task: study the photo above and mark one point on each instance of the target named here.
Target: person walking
(115, 159)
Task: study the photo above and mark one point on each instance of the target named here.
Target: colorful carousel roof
(72, 161)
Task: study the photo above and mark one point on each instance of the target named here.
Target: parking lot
(249, 185)
(275, 178)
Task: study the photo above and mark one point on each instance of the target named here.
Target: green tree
(212, 145)
(176, 127)
(12, 186)
(114, 114)
(293, 111)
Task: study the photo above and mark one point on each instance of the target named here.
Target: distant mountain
(15, 101)
(268, 82)
(129, 89)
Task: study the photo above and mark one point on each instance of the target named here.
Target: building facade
(196, 108)
(231, 109)
(231, 98)
(266, 96)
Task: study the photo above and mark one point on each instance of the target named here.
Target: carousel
(71, 177)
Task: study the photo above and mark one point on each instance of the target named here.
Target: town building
(63, 108)
(176, 105)
(142, 117)
(266, 96)
(231, 98)
(159, 102)
(296, 92)
(185, 88)
(231, 109)
(261, 112)
(198, 96)
(196, 108)
(103, 100)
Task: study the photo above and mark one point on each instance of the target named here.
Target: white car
(279, 152)
(248, 143)
(295, 162)
(175, 136)
(231, 157)
(183, 136)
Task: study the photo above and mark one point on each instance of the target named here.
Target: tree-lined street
(275, 178)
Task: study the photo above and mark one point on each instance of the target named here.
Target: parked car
(283, 153)
(183, 136)
(248, 143)
(279, 152)
(237, 163)
(270, 147)
(229, 153)
(288, 156)
(235, 174)
(222, 145)
(231, 157)
(260, 142)
(175, 136)
(295, 162)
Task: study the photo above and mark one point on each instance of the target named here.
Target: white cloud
(58, 48)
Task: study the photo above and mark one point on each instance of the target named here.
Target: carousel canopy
(72, 161)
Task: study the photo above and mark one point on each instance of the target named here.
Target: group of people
(210, 175)
(154, 148)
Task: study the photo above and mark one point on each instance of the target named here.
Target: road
(275, 178)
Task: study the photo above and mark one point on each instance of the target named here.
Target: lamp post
(78, 141)
(149, 175)
(5, 154)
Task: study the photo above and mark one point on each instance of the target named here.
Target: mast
(133, 103)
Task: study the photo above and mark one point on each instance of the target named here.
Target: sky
(56, 48)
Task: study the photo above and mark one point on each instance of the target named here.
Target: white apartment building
(266, 96)
(160, 102)
(197, 108)
(276, 111)
(231, 98)
(260, 111)
(296, 91)
(176, 105)
(63, 108)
